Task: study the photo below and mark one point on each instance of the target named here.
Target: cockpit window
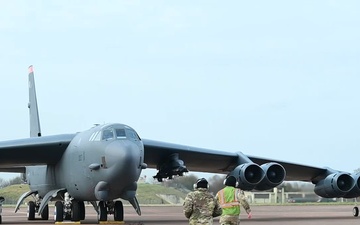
(120, 133)
(107, 134)
(95, 136)
(133, 135)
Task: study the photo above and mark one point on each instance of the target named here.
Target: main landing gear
(69, 209)
(73, 210)
(356, 211)
(2, 199)
(110, 207)
(33, 207)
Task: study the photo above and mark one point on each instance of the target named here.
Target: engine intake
(355, 191)
(248, 175)
(335, 185)
(274, 175)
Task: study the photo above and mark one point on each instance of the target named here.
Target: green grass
(13, 192)
(148, 193)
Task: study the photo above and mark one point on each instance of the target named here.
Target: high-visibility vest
(229, 201)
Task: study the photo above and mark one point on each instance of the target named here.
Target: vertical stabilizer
(33, 107)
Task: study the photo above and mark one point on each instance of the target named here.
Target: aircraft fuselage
(102, 163)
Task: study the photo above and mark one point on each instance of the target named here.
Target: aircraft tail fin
(33, 107)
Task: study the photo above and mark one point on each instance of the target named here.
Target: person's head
(201, 183)
(230, 181)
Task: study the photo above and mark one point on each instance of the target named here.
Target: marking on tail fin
(31, 69)
(33, 107)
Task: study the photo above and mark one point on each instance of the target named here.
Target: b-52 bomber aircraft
(103, 164)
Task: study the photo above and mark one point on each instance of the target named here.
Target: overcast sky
(278, 79)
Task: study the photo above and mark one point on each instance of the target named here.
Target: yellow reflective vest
(229, 201)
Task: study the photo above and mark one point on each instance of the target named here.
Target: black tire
(31, 210)
(67, 216)
(82, 210)
(59, 212)
(356, 211)
(45, 213)
(75, 211)
(0, 219)
(118, 211)
(102, 211)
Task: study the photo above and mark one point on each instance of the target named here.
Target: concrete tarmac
(269, 215)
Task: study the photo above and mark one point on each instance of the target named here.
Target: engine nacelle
(274, 175)
(248, 175)
(335, 185)
(355, 191)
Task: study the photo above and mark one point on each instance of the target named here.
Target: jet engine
(248, 175)
(274, 175)
(355, 191)
(335, 185)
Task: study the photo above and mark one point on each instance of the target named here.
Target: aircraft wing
(16, 154)
(215, 161)
(294, 171)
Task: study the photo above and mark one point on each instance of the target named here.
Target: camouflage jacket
(200, 206)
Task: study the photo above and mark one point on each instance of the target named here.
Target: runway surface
(269, 215)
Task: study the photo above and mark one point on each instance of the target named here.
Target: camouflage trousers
(229, 220)
(195, 223)
(200, 222)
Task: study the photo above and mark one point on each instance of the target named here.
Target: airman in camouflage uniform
(200, 206)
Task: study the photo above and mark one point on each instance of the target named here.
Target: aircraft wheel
(45, 213)
(31, 210)
(355, 211)
(67, 216)
(102, 211)
(75, 211)
(59, 212)
(82, 210)
(118, 211)
(0, 219)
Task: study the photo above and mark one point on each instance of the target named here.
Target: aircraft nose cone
(119, 154)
